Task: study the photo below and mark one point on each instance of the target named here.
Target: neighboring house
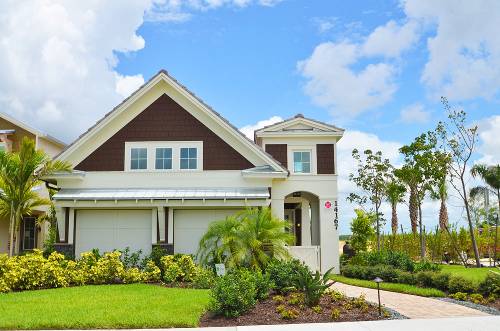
(12, 133)
(162, 165)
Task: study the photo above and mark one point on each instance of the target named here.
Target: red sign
(328, 205)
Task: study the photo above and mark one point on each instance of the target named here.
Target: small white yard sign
(220, 269)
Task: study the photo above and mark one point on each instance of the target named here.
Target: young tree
(373, 173)
(20, 174)
(459, 142)
(395, 191)
(491, 176)
(424, 167)
(362, 230)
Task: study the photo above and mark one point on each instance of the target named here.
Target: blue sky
(375, 68)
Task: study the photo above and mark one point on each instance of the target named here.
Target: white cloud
(333, 84)
(349, 77)
(248, 130)
(57, 60)
(325, 24)
(464, 50)
(182, 10)
(415, 114)
(489, 148)
(126, 85)
(391, 39)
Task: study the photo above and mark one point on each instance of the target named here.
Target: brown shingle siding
(165, 120)
(279, 152)
(325, 158)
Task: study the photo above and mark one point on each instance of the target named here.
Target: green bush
(425, 278)
(313, 286)
(459, 296)
(405, 277)
(440, 280)
(490, 286)
(477, 298)
(156, 254)
(282, 273)
(263, 285)
(178, 268)
(232, 294)
(460, 284)
(204, 278)
(426, 266)
(398, 260)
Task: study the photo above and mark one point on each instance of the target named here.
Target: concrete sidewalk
(489, 323)
(411, 306)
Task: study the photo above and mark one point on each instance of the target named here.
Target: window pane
(298, 167)
(192, 164)
(305, 156)
(143, 164)
(184, 164)
(306, 167)
(143, 153)
(296, 157)
(135, 153)
(192, 153)
(184, 153)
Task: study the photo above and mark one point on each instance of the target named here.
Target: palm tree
(395, 194)
(440, 192)
(249, 238)
(491, 176)
(20, 173)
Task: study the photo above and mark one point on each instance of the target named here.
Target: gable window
(138, 158)
(302, 162)
(189, 158)
(163, 158)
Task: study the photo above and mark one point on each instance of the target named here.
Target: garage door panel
(113, 229)
(191, 225)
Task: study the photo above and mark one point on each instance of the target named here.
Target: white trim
(328, 129)
(302, 134)
(90, 136)
(302, 148)
(151, 147)
(310, 161)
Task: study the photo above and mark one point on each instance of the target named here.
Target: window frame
(310, 172)
(189, 158)
(152, 146)
(139, 159)
(156, 149)
(34, 230)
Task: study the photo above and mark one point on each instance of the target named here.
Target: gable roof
(32, 130)
(299, 125)
(163, 76)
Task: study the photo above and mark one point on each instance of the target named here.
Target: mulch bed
(495, 304)
(265, 313)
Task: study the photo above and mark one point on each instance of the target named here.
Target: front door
(28, 233)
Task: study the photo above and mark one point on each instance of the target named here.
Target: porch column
(329, 238)
(61, 223)
(170, 239)
(71, 225)
(278, 208)
(154, 225)
(306, 224)
(161, 223)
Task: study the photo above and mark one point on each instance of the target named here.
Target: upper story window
(163, 158)
(138, 158)
(189, 158)
(302, 162)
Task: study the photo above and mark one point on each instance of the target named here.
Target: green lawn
(105, 306)
(392, 287)
(474, 274)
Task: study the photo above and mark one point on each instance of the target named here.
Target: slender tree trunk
(394, 219)
(11, 230)
(457, 251)
(422, 239)
(496, 229)
(443, 215)
(378, 228)
(471, 226)
(413, 206)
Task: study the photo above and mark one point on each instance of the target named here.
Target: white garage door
(191, 225)
(108, 230)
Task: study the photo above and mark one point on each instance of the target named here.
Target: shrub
(317, 309)
(313, 286)
(156, 254)
(278, 298)
(187, 266)
(131, 259)
(204, 278)
(490, 285)
(263, 285)
(425, 278)
(398, 260)
(336, 296)
(289, 314)
(282, 274)
(459, 296)
(108, 269)
(296, 299)
(405, 277)
(441, 280)
(460, 284)
(335, 314)
(151, 272)
(132, 275)
(426, 266)
(232, 295)
(178, 268)
(477, 298)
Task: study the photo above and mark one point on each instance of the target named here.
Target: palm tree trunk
(394, 219)
(413, 205)
(471, 226)
(443, 215)
(11, 233)
(422, 239)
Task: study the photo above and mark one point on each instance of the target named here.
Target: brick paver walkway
(411, 306)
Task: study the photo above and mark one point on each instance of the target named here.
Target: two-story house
(162, 165)
(12, 132)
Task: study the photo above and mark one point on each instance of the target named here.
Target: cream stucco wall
(4, 235)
